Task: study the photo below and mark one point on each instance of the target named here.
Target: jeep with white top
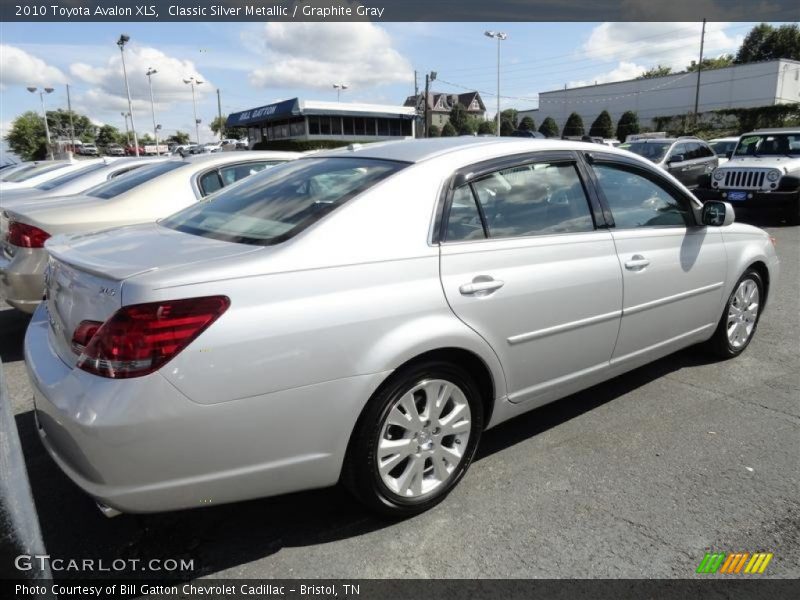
(763, 174)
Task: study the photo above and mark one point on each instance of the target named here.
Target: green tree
(60, 127)
(603, 126)
(527, 124)
(628, 124)
(107, 135)
(228, 133)
(434, 131)
(765, 42)
(510, 115)
(26, 138)
(726, 60)
(179, 137)
(448, 130)
(459, 117)
(146, 138)
(657, 71)
(487, 127)
(506, 127)
(574, 125)
(549, 128)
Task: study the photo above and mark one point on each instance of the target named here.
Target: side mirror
(717, 214)
(676, 158)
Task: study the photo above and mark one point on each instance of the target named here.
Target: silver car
(363, 315)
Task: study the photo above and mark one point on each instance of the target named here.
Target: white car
(142, 196)
(91, 174)
(362, 315)
(724, 147)
(32, 174)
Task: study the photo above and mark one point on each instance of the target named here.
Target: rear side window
(224, 176)
(278, 203)
(71, 176)
(123, 183)
(636, 201)
(464, 221)
(34, 171)
(534, 199)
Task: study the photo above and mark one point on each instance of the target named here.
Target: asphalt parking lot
(637, 477)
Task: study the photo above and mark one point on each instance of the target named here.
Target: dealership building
(740, 86)
(309, 120)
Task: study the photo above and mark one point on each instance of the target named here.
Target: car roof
(774, 130)
(730, 138)
(226, 157)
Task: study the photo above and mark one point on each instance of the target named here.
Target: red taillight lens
(83, 335)
(142, 338)
(26, 236)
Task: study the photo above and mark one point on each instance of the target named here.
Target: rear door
(673, 269)
(525, 265)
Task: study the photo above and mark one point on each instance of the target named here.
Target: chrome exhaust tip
(107, 511)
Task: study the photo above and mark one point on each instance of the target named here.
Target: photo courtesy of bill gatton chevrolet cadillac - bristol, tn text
(363, 315)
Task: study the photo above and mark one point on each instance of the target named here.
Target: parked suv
(686, 158)
(89, 150)
(763, 174)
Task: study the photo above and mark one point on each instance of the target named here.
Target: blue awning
(278, 110)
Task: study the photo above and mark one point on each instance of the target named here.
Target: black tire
(719, 344)
(360, 474)
(793, 213)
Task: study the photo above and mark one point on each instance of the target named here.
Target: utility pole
(499, 36)
(699, 70)
(71, 124)
(124, 39)
(428, 78)
(219, 115)
(150, 72)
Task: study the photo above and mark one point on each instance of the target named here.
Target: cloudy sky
(253, 64)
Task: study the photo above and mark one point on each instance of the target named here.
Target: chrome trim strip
(540, 333)
(546, 385)
(669, 299)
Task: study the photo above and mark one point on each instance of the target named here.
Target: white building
(741, 86)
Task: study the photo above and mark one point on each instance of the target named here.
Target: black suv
(686, 158)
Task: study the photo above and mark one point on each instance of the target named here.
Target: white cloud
(108, 83)
(316, 55)
(625, 70)
(642, 45)
(18, 67)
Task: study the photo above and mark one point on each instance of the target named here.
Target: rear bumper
(765, 201)
(22, 277)
(140, 445)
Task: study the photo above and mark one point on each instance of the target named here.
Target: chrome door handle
(637, 263)
(481, 286)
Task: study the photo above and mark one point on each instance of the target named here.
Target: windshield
(34, 171)
(71, 176)
(128, 181)
(786, 144)
(654, 151)
(276, 204)
(722, 148)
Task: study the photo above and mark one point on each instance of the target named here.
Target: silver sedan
(363, 315)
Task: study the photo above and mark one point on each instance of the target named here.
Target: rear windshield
(34, 171)
(722, 148)
(277, 203)
(651, 150)
(128, 181)
(71, 176)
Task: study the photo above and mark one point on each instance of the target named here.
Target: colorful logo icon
(734, 563)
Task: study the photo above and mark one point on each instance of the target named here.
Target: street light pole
(47, 90)
(150, 72)
(339, 88)
(192, 81)
(127, 131)
(124, 39)
(499, 36)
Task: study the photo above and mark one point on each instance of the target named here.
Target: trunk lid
(85, 274)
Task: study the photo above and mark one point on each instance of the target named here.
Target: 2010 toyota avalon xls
(364, 314)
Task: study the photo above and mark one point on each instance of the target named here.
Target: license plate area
(737, 196)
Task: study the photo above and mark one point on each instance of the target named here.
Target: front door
(673, 270)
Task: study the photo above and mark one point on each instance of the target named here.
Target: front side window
(281, 201)
(534, 199)
(124, 183)
(636, 201)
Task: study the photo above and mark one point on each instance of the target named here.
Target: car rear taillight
(83, 335)
(142, 338)
(26, 236)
